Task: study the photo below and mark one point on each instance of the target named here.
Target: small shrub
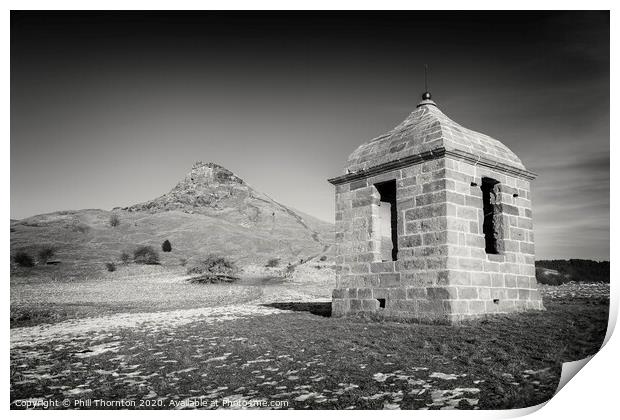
(45, 254)
(125, 257)
(110, 266)
(23, 259)
(214, 269)
(323, 258)
(290, 269)
(273, 262)
(115, 220)
(166, 246)
(183, 262)
(145, 255)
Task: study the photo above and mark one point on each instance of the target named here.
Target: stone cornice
(431, 155)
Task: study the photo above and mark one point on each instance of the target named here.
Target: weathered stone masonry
(446, 261)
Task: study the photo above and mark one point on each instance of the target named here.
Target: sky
(112, 108)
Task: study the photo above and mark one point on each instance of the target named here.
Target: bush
(145, 255)
(125, 257)
(166, 246)
(110, 266)
(183, 261)
(214, 269)
(45, 254)
(290, 269)
(23, 259)
(273, 262)
(323, 258)
(115, 220)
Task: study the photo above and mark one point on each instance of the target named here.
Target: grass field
(132, 288)
(277, 345)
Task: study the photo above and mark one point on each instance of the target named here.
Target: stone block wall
(442, 272)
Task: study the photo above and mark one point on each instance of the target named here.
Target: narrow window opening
(492, 223)
(388, 220)
(381, 303)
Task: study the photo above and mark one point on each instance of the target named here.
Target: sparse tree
(125, 257)
(45, 254)
(273, 262)
(290, 269)
(214, 269)
(23, 259)
(166, 246)
(110, 266)
(145, 255)
(115, 220)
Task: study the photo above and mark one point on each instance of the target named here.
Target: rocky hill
(212, 190)
(211, 210)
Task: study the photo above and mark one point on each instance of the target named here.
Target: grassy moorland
(52, 294)
(291, 354)
(50, 298)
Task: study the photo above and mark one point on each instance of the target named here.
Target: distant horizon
(110, 109)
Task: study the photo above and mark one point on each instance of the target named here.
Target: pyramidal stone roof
(428, 133)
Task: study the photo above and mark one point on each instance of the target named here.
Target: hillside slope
(556, 272)
(211, 210)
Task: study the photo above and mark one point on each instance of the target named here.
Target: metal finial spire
(427, 95)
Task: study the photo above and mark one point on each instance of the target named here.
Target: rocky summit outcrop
(206, 188)
(210, 211)
(212, 190)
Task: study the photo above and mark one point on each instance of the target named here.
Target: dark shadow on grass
(315, 308)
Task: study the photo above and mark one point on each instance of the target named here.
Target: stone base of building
(433, 305)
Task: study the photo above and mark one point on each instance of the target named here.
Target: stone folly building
(434, 224)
